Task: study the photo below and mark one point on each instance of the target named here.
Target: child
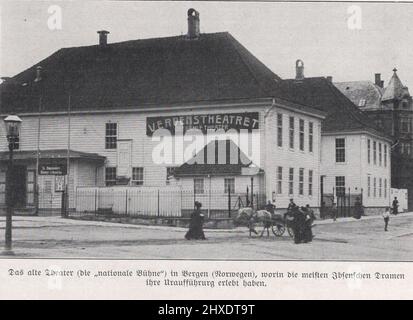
(386, 217)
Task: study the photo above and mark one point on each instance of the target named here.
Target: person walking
(395, 206)
(334, 211)
(196, 224)
(308, 222)
(358, 209)
(298, 225)
(386, 217)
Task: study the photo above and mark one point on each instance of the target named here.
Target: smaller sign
(59, 184)
(53, 169)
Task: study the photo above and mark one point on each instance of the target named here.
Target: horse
(247, 216)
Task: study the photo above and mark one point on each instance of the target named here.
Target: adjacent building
(355, 153)
(391, 109)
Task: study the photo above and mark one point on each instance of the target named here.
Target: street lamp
(12, 123)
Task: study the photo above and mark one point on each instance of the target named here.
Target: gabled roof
(395, 90)
(213, 67)
(320, 93)
(364, 94)
(225, 158)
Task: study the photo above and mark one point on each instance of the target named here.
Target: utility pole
(37, 80)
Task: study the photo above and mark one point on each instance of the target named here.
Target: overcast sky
(276, 33)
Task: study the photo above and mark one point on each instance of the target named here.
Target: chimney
(299, 70)
(193, 24)
(330, 79)
(377, 80)
(38, 74)
(103, 37)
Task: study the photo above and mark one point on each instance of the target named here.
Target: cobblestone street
(346, 239)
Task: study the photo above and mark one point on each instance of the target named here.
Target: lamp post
(13, 124)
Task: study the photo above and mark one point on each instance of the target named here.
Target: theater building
(92, 117)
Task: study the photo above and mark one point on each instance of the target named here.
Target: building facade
(390, 108)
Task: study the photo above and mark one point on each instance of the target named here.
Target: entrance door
(19, 186)
(124, 158)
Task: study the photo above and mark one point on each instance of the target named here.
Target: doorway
(18, 184)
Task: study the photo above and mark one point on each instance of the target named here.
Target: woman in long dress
(196, 224)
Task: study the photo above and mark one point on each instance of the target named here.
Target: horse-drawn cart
(277, 222)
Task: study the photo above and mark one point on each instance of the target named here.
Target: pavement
(345, 239)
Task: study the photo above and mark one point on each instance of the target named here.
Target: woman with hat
(195, 225)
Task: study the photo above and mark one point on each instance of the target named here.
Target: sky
(276, 33)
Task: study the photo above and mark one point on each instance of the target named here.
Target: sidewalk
(351, 219)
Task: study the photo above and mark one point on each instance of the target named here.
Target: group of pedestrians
(301, 220)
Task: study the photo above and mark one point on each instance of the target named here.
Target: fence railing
(160, 202)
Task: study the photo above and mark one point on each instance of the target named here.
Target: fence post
(63, 205)
(252, 192)
(229, 202)
(159, 212)
(96, 199)
(126, 204)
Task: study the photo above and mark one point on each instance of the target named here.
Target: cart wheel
(278, 230)
(290, 232)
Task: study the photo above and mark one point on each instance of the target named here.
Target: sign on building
(53, 169)
(59, 184)
(226, 121)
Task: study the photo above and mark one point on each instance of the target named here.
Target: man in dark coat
(358, 209)
(308, 223)
(195, 225)
(395, 205)
(298, 225)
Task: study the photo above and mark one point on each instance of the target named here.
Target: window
(385, 188)
(380, 187)
(374, 187)
(111, 137)
(137, 176)
(199, 186)
(405, 148)
(169, 174)
(16, 142)
(291, 181)
(340, 186)
(368, 186)
(229, 185)
(291, 132)
(405, 125)
(301, 127)
(368, 150)
(340, 150)
(380, 154)
(374, 152)
(110, 176)
(385, 155)
(279, 130)
(301, 181)
(362, 103)
(310, 182)
(279, 180)
(310, 136)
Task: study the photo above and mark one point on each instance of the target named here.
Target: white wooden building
(105, 102)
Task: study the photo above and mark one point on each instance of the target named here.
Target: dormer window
(362, 103)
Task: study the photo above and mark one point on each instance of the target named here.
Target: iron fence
(167, 202)
(347, 202)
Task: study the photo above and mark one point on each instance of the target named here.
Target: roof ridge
(232, 40)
